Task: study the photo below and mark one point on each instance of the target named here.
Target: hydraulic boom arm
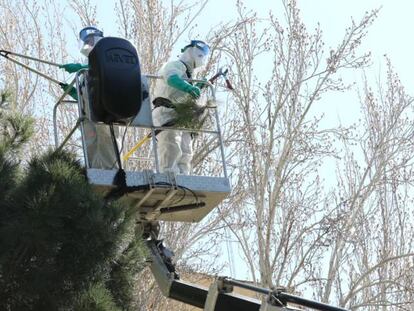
(220, 296)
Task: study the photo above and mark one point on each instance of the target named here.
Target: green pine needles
(189, 115)
(62, 247)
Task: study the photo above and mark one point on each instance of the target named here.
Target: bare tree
(280, 203)
(155, 27)
(373, 242)
(287, 217)
(85, 10)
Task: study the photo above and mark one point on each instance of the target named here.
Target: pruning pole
(5, 55)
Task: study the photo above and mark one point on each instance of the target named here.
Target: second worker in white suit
(175, 147)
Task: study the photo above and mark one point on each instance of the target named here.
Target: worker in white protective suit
(99, 145)
(175, 147)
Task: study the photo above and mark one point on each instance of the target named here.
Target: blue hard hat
(198, 44)
(88, 31)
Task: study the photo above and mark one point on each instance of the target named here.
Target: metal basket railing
(77, 81)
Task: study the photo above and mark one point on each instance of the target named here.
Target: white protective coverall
(99, 146)
(175, 147)
(175, 150)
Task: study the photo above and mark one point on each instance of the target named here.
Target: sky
(391, 34)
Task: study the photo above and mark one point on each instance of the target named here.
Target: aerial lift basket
(113, 91)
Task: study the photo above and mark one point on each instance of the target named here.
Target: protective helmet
(88, 37)
(196, 53)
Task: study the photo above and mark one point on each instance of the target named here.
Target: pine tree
(62, 246)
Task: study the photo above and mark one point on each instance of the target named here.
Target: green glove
(73, 67)
(176, 82)
(72, 92)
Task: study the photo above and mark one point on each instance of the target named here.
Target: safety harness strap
(120, 176)
(163, 102)
(187, 71)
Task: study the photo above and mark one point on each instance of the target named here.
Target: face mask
(199, 57)
(86, 49)
(196, 53)
(88, 43)
(88, 37)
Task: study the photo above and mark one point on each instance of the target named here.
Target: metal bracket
(149, 179)
(272, 303)
(216, 288)
(171, 179)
